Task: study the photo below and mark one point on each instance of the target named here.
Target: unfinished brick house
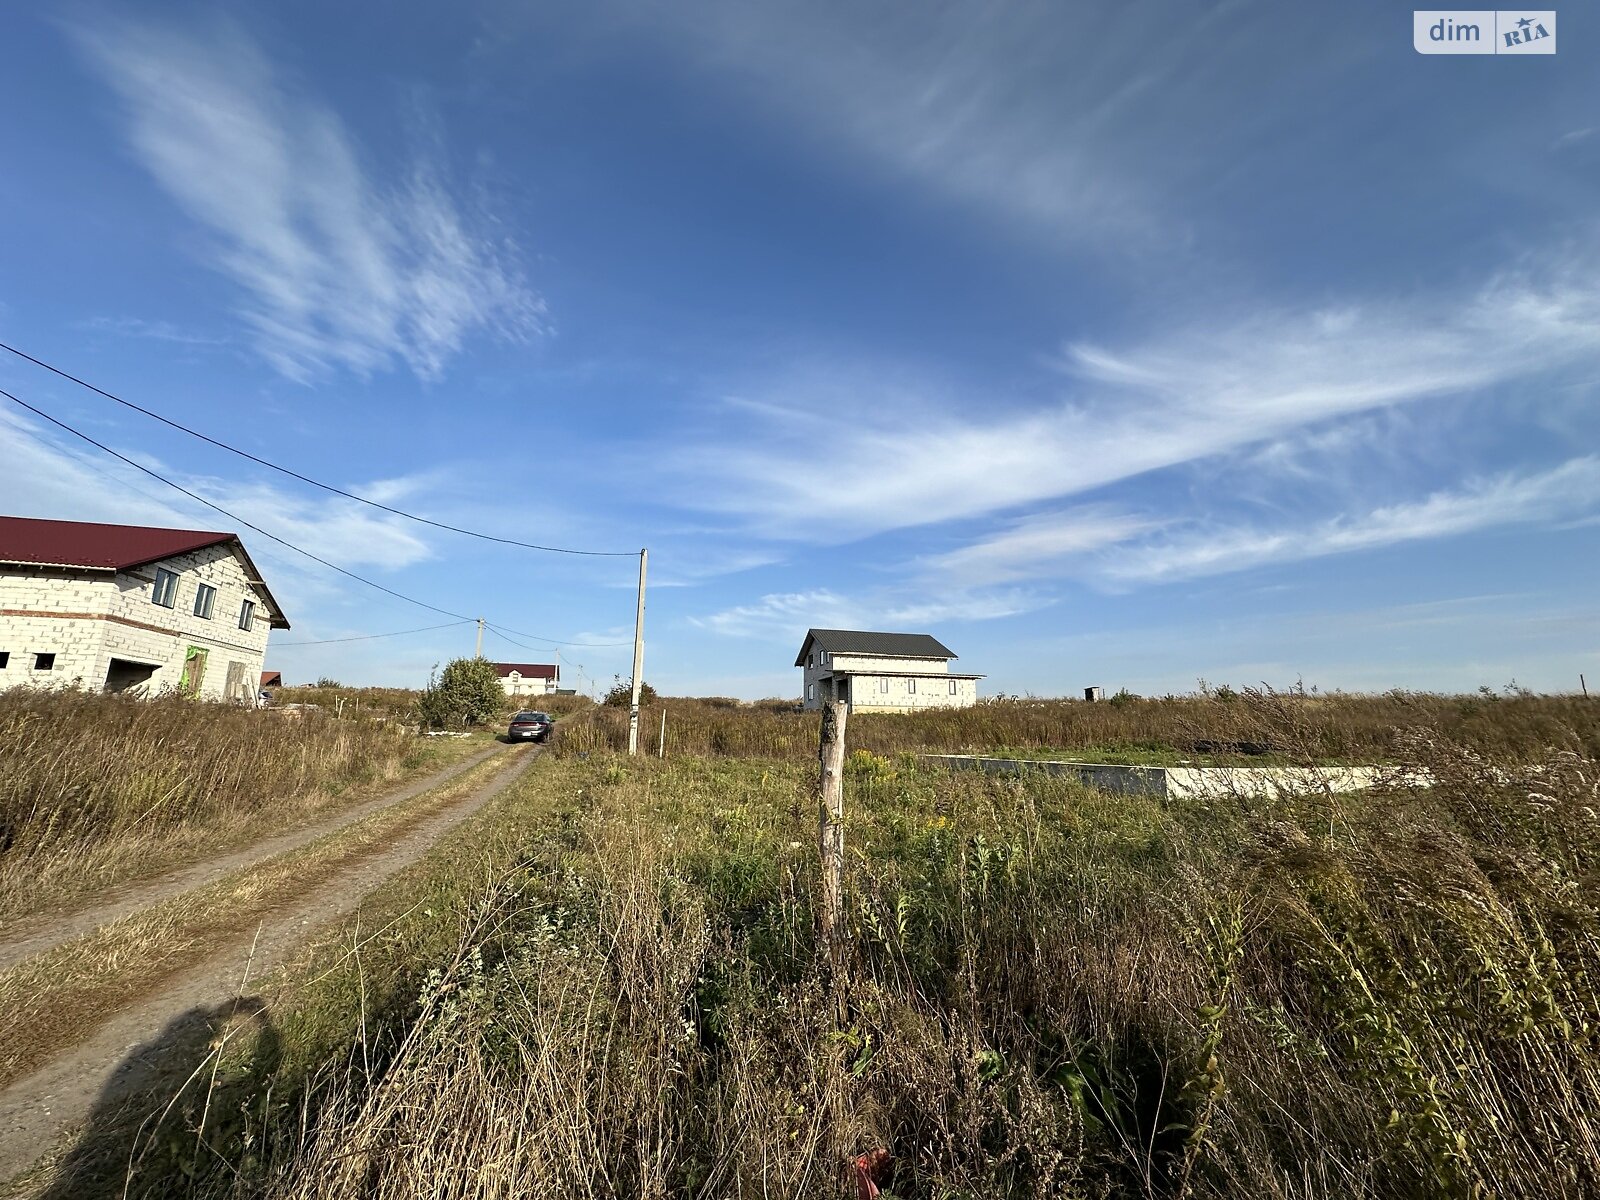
(131, 607)
(882, 672)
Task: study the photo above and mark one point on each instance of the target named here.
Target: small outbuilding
(882, 672)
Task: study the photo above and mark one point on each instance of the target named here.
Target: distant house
(882, 672)
(131, 607)
(271, 679)
(529, 679)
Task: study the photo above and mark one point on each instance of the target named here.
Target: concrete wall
(894, 693)
(87, 619)
(1189, 782)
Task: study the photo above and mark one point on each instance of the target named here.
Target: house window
(44, 662)
(205, 597)
(811, 691)
(952, 687)
(5, 659)
(247, 614)
(883, 683)
(165, 592)
(911, 686)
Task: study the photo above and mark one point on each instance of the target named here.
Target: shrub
(466, 692)
(621, 693)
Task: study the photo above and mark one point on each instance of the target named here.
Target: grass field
(1293, 727)
(610, 986)
(97, 790)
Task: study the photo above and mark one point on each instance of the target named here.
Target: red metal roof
(271, 679)
(527, 670)
(30, 541)
(109, 547)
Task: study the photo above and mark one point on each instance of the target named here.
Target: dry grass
(1051, 992)
(392, 704)
(400, 704)
(1317, 727)
(52, 1000)
(96, 789)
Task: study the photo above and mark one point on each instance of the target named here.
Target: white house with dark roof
(882, 672)
(131, 608)
(529, 679)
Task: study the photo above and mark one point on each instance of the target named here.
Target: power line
(370, 636)
(502, 631)
(230, 515)
(327, 487)
(39, 412)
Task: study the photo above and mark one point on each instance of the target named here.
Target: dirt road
(36, 1111)
(28, 936)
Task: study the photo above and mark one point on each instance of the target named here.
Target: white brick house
(528, 679)
(129, 607)
(881, 672)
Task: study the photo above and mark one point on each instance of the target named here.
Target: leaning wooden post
(830, 839)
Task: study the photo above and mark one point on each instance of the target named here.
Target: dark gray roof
(856, 641)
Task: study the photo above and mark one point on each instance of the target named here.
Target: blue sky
(1123, 346)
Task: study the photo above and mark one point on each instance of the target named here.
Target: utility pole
(638, 659)
(478, 653)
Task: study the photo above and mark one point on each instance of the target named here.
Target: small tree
(466, 692)
(621, 693)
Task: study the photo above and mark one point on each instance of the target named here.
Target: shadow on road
(164, 1112)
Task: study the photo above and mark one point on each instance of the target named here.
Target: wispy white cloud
(908, 457)
(1565, 491)
(1038, 546)
(339, 269)
(160, 331)
(1080, 124)
(46, 477)
(789, 614)
(972, 100)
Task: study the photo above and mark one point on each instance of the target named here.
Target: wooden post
(1584, 684)
(638, 659)
(830, 833)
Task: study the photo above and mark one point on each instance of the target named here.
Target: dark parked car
(529, 727)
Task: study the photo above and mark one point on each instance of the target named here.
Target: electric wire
(460, 618)
(293, 474)
(504, 630)
(38, 412)
(367, 637)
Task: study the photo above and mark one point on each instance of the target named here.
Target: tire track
(40, 934)
(37, 1110)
